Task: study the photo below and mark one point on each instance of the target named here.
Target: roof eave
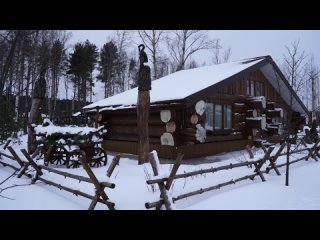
(191, 99)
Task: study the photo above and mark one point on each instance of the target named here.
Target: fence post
(163, 191)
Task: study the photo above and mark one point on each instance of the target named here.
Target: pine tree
(82, 64)
(108, 59)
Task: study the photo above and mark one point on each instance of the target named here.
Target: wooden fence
(165, 183)
(100, 192)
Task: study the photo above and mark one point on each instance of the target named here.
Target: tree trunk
(8, 61)
(143, 105)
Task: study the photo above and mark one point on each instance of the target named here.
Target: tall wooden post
(97, 117)
(36, 111)
(143, 105)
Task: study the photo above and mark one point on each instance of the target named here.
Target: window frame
(209, 127)
(223, 126)
(227, 120)
(221, 116)
(253, 86)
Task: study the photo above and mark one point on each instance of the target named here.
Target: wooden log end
(165, 115)
(200, 107)
(167, 139)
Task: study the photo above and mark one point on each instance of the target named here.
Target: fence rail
(313, 152)
(100, 193)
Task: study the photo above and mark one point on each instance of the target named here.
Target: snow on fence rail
(165, 182)
(100, 194)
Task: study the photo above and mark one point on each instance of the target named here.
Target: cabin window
(255, 88)
(209, 117)
(259, 89)
(218, 116)
(250, 87)
(227, 117)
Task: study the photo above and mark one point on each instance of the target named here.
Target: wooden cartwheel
(69, 155)
(65, 145)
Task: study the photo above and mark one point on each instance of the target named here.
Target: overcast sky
(244, 43)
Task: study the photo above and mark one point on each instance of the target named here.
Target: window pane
(251, 88)
(258, 88)
(248, 87)
(262, 89)
(209, 117)
(218, 116)
(227, 117)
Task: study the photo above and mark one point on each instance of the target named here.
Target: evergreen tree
(108, 59)
(82, 63)
(92, 55)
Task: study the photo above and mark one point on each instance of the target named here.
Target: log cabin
(205, 110)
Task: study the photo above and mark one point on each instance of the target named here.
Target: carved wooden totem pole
(36, 110)
(143, 105)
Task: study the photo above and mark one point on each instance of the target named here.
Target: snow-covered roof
(179, 85)
(182, 84)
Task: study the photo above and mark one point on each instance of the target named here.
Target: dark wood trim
(173, 104)
(171, 152)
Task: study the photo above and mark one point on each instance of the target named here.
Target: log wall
(253, 118)
(170, 152)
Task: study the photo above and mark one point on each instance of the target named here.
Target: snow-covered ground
(132, 192)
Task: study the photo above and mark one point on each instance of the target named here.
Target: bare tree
(312, 72)
(294, 70)
(183, 43)
(15, 37)
(221, 57)
(123, 40)
(192, 64)
(294, 66)
(152, 39)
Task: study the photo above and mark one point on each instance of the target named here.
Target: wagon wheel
(99, 158)
(73, 159)
(59, 156)
(73, 164)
